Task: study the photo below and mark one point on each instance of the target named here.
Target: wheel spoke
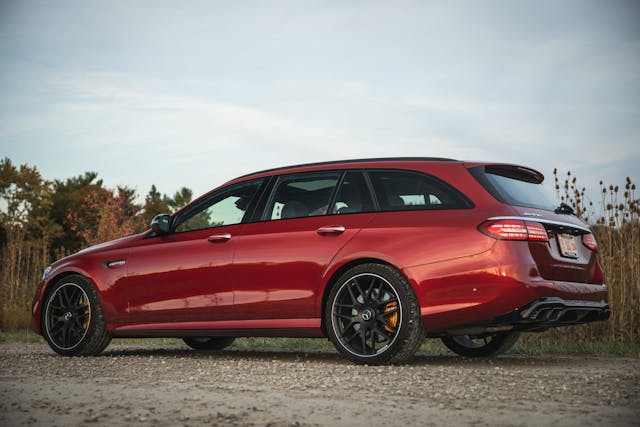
(66, 297)
(379, 294)
(384, 336)
(353, 298)
(60, 300)
(63, 338)
(373, 281)
(362, 294)
(56, 320)
(389, 301)
(78, 309)
(363, 335)
(388, 325)
(352, 336)
(345, 305)
(77, 324)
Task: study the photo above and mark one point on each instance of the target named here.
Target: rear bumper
(538, 315)
(557, 312)
(493, 284)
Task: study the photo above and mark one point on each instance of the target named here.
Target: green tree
(25, 201)
(154, 204)
(181, 198)
(69, 195)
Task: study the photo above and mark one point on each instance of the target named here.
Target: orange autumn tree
(106, 215)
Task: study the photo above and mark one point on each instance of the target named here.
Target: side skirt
(298, 328)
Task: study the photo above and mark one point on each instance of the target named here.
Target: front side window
(400, 190)
(301, 195)
(226, 207)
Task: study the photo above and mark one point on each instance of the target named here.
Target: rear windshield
(516, 187)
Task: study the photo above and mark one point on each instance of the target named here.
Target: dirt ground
(172, 385)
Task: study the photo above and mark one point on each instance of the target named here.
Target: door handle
(332, 229)
(223, 237)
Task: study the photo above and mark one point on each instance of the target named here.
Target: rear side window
(516, 186)
(301, 195)
(353, 195)
(405, 190)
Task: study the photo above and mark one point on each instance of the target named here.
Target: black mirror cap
(161, 224)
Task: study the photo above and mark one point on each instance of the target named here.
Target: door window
(400, 190)
(301, 195)
(226, 207)
(353, 195)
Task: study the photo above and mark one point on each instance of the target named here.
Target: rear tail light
(590, 241)
(514, 229)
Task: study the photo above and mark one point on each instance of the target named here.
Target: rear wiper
(564, 209)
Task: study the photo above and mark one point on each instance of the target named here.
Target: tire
(487, 346)
(208, 343)
(73, 322)
(372, 316)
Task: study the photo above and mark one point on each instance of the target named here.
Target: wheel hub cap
(367, 314)
(68, 315)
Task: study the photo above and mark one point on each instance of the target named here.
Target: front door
(186, 276)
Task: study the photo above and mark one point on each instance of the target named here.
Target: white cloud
(196, 94)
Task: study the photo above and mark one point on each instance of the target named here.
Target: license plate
(568, 247)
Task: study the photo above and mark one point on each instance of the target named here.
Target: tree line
(75, 212)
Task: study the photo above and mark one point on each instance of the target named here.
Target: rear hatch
(569, 252)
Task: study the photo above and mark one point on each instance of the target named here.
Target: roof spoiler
(520, 173)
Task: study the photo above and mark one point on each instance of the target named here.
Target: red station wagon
(375, 254)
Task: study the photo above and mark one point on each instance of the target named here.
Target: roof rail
(373, 159)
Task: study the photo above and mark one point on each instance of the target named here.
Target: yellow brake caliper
(392, 319)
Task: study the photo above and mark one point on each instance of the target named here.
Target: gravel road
(172, 385)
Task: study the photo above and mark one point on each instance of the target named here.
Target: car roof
(348, 163)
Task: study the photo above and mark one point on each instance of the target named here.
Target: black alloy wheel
(481, 346)
(208, 343)
(372, 315)
(72, 320)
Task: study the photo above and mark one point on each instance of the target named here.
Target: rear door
(280, 259)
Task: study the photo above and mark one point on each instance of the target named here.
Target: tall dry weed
(22, 264)
(615, 222)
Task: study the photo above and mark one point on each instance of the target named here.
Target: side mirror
(161, 224)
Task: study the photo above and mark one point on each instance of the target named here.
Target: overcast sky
(196, 93)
